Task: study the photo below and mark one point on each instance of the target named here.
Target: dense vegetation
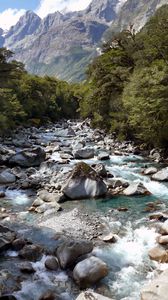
(27, 99)
(127, 86)
(126, 91)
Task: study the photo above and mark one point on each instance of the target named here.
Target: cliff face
(63, 44)
(136, 12)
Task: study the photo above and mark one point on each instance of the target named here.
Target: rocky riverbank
(56, 235)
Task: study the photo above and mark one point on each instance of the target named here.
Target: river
(127, 259)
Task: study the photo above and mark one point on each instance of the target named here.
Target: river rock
(18, 244)
(68, 252)
(100, 170)
(49, 296)
(68, 132)
(28, 158)
(117, 183)
(164, 228)
(162, 175)
(103, 156)
(109, 238)
(88, 295)
(51, 263)
(159, 254)
(37, 202)
(136, 189)
(84, 183)
(89, 271)
(84, 154)
(48, 206)
(2, 194)
(6, 238)
(163, 240)
(159, 217)
(6, 177)
(47, 197)
(157, 289)
(31, 252)
(150, 171)
(26, 267)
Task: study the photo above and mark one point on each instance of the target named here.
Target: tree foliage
(26, 99)
(127, 86)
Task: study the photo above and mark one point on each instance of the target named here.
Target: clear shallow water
(128, 260)
(17, 200)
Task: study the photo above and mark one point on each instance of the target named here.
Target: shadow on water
(34, 286)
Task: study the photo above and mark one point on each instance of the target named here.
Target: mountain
(137, 13)
(26, 26)
(102, 9)
(1, 37)
(63, 45)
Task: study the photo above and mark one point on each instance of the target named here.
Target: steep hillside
(136, 12)
(64, 44)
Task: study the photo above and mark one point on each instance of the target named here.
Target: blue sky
(12, 10)
(19, 4)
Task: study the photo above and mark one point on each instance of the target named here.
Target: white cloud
(49, 6)
(10, 17)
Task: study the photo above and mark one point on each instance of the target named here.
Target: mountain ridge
(63, 45)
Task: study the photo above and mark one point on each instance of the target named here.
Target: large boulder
(157, 289)
(84, 153)
(136, 189)
(162, 175)
(84, 183)
(68, 252)
(89, 271)
(7, 177)
(28, 158)
(88, 295)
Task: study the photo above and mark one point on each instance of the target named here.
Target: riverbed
(127, 259)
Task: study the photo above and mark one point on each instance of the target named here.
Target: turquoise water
(128, 261)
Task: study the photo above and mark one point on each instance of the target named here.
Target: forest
(127, 86)
(31, 100)
(125, 92)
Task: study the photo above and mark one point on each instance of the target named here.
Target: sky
(12, 10)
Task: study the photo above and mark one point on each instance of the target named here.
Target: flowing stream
(130, 267)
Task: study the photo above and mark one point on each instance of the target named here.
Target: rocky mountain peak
(63, 44)
(103, 9)
(26, 26)
(50, 21)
